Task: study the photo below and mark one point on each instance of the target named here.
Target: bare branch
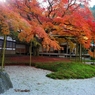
(50, 9)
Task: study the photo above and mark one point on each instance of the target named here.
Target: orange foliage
(59, 17)
(47, 43)
(11, 21)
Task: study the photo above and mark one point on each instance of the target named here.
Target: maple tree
(61, 17)
(10, 21)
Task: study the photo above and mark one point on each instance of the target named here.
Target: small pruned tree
(10, 21)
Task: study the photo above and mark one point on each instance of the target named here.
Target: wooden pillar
(67, 49)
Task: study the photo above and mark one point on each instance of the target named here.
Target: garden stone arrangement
(5, 82)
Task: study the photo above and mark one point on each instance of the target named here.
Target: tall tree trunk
(93, 52)
(84, 55)
(30, 50)
(80, 53)
(67, 50)
(3, 52)
(76, 52)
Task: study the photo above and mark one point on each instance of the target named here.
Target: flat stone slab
(5, 82)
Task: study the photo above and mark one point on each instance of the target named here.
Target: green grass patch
(69, 70)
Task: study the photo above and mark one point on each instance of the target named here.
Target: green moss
(68, 70)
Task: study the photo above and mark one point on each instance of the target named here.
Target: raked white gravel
(35, 81)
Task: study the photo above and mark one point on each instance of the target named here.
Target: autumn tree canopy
(58, 17)
(11, 21)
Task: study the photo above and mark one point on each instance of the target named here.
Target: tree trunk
(30, 50)
(93, 52)
(76, 52)
(3, 52)
(80, 53)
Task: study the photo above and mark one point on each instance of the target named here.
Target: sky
(91, 3)
(2, 0)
